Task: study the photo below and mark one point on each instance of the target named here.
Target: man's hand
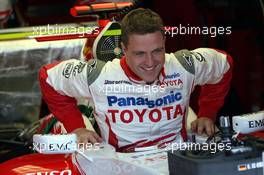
(203, 124)
(87, 136)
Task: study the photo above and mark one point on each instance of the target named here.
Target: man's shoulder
(96, 64)
(180, 59)
(97, 68)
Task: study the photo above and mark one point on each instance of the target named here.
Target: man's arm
(60, 84)
(62, 106)
(212, 70)
(212, 95)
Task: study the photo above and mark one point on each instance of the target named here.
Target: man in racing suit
(141, 99)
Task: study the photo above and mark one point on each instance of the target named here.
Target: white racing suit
(129, 112)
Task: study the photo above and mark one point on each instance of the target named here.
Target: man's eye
(139, 54)
(158, 51)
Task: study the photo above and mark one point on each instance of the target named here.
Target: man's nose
(149, 60)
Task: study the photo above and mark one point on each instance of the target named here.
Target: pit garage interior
(21, 57)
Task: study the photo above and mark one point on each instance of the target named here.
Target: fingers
(92, 137)
(197, 126)
(202, 125)
(97, 137)
(208, 129)
(87, 136)
(213, 129)
(194, 126)
(200, 128)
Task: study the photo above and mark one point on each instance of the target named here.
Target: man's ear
(123, 48)
(164, 40)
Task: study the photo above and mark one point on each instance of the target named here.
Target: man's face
(145, 55)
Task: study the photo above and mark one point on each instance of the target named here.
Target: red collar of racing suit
(131, 75)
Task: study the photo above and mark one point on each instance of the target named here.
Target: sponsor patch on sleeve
(199, 57)
(94, 68)
(186, 60)
(72, 69)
